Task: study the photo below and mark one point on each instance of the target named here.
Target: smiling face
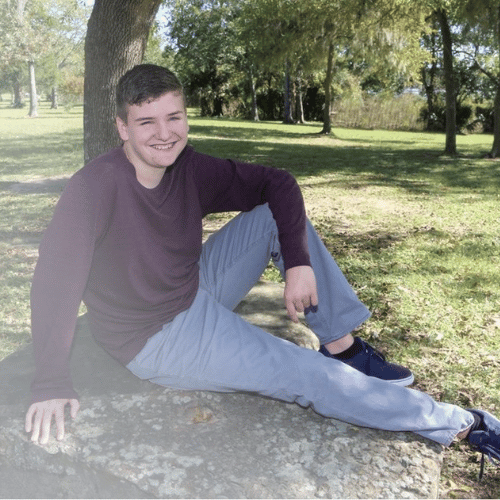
(154, 135)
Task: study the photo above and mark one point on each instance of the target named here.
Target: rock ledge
(132, 439)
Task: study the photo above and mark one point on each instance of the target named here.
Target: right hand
(39, 418)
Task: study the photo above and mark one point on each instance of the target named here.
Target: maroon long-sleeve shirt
(131, 253)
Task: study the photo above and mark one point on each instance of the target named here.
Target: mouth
(164, 147)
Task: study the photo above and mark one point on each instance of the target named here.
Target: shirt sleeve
(58, 285)
(228, 185)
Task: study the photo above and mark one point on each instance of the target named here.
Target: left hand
(300, 290)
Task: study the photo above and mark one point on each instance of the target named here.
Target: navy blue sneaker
(485, 437)
(371, 362)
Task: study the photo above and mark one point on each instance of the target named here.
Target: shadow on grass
(414, 169)
(21, 154)
(465, 280)
(43, 186)
(418, 170)
(254, 131)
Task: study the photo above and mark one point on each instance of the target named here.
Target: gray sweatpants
(209, 347)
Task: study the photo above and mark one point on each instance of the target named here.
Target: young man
(126, 238)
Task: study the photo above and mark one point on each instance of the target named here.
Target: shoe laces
(493, 456)
(485, 448)
(372, 350)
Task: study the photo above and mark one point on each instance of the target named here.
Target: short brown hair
(142, 83)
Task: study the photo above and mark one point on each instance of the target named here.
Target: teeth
(163, 146)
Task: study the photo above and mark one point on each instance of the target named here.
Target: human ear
(122, 128)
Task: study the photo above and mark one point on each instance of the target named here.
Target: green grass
(416, 233)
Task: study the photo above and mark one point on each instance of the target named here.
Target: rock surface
(132, 439)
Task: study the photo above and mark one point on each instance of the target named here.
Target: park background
(384, 111)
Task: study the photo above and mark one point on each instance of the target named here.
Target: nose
(163, 131)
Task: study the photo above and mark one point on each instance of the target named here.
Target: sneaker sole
(403, 381)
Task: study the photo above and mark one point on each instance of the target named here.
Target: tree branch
(489, 74)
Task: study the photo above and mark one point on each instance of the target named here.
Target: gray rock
(132, 439)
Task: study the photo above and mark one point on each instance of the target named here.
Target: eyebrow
(145, 118)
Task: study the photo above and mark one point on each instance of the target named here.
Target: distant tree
(449, 82)
(431, 73)
(455, 19)
(310, 37)
(32, 33)
(117, 34)
(19, 41)
(67, 23)
(33, 95)
(485, 15)
(206, 50)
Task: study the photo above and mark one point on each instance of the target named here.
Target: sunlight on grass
(416, 233)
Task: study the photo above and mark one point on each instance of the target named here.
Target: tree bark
(33, 97)
(117, 34)
(495, 149)
(327, 120)
(287, 113)
(17, 91)
(253, 90)
(299, 106)
(449, 83)
(428, 79)
(54, 98)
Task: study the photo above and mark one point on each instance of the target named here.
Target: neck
(148, 177)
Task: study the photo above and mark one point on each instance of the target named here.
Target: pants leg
(234, 258)
(208, 347)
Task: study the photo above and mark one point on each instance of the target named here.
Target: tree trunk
(33, 97)
(495, 150)
(218, 106)
(54, 98)
(428, 79)
(253, 90)
(449, 83)
(299, 106)
(117, 34)
(327, 120)
(17, 102)
(287, 113)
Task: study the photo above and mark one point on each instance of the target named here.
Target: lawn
(416, 233)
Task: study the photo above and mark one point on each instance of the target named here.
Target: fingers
(35, 422)
(39, 418)
(59, 418)
(292, 312)
(314, 300)
(45, 426)
(74, 407)
(306, 305)
(297, 306)
(28, 423)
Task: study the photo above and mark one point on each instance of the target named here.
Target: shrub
(380, 112)
(485, 116)
(71, 91)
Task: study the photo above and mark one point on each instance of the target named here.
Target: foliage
(49, 32)
(220, 48)
(67, 21)
(206, 50)
(72, 90)
(384, 112)
(465, 117)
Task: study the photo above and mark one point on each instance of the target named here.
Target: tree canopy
(265, 59)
